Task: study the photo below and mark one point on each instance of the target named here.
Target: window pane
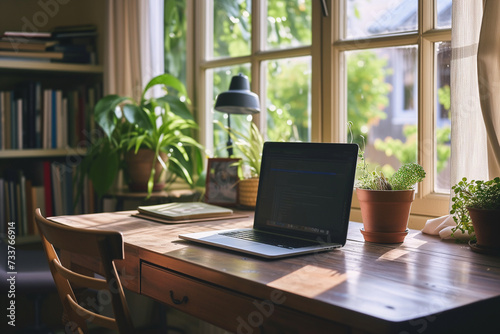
(443, 121)
(221, 81)
(288, 101)
(288, 23)
(232, 28)
(175, 39)
(382, 105)
(444, 14)
(367, 18)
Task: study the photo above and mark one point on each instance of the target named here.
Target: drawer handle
(177, 301)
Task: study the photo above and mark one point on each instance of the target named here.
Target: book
(35, 55)
(25, 44)
(3, 220)
(47, 182)
(183, 221)
(47, 119)
(20, 130)
(72, 34)
(38, 202)
(28, 34)
(8, 118)
(54, 119)
(77, 27)
(184, 210)
(22, 205)
(30, 210)
(38, 115)
(57, 189)
(2, 121)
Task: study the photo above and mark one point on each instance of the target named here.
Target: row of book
(67, 44)
(32, 117)
(55, 196)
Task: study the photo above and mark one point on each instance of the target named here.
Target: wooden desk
(424, 285)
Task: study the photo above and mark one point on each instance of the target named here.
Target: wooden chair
(106, 245)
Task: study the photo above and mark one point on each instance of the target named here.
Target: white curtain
(133, 45)
(488, 67)
(468, 140)
(469, 144)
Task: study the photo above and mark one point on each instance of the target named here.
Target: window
(269, 42)
(382, 65)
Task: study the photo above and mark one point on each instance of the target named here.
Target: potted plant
(476, 210)
(386, 202)
(250, 147)
(155, 132)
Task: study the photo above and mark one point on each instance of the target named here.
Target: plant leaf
(104, 112)
(103, 171)
(177, 107)
(136, 115)
(167, 80)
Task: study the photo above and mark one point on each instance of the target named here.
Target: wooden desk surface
(422, 285)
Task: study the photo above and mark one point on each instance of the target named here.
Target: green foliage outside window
(288, 98)
(288, 23)
(406, 151)
(175, 29)
(367, 92)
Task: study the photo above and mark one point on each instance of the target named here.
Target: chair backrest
(105, 245)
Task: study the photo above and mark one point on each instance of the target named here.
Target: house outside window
(382, 66)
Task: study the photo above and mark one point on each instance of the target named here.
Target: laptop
(303, 202)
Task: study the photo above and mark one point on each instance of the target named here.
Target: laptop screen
(305, 189)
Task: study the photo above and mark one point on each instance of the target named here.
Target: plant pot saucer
(384, 237)
(484, 249)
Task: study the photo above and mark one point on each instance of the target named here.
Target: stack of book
(54, 195)
(67, 44)
(35, 117)
(76, 43)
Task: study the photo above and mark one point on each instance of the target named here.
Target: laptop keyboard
(270, 239)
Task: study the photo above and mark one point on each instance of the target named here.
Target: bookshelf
(25, 172)
(39, 173)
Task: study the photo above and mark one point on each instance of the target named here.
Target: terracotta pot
(486, 227)
(139, 169)
(385, 214)
(247, 192)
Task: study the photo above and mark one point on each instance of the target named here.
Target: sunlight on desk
(314, 280)
(392, 255)
(413, 242)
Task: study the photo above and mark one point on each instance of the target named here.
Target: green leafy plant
(404, 178)
(474, 194)
(250, 147)
(160, 124)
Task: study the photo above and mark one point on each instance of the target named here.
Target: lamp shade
(238, 99)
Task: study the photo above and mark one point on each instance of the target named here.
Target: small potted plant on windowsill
(155, 133)
(250, 147)
(386, 202)
(476, 210)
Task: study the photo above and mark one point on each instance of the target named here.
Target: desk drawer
(227, 309)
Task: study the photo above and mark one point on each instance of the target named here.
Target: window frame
(427, 203)
(329, 86)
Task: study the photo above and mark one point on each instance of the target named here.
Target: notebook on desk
(303, 202)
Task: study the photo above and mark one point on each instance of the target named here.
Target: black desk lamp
(237, 100)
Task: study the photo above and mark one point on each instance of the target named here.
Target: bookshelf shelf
(19, 65)
(41, 153)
